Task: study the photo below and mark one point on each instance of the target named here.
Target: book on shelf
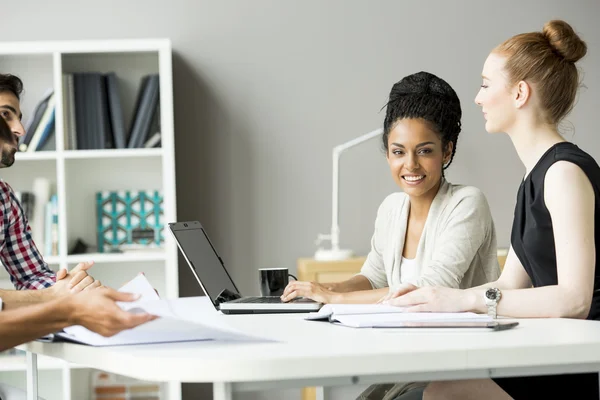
(117, 123)
(34, 211)
(34, 120)
(147, 112)
(40, 129)
(93, 113)
(69, 111)
(51, 227)
(27, 201)
(92, 129)
(153, 141)
(42, 192)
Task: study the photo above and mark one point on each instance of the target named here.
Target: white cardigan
(457, 248)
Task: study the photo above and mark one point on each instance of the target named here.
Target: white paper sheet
(138, 285)
(174, 325)
(353, 309)
(396, 320)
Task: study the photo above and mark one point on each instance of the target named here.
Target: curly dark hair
(426, 96)
(11, 83)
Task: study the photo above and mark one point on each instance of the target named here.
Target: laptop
(209, 270)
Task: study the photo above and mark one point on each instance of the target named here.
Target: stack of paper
(385, 316)
(172, 326)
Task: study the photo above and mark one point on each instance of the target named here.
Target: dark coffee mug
(273, 281)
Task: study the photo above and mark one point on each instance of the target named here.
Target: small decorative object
(80, 247)
(129, 220)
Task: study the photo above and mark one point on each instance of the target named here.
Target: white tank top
(408, 270)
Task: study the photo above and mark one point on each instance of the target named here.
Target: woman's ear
(448, 153)
(523, 93)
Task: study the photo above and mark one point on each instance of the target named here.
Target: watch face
(492, 294)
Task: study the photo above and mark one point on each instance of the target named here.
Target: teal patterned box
(129, 220)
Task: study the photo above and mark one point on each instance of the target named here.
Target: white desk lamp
(335, 253)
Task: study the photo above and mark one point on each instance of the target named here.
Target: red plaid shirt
(18, 253)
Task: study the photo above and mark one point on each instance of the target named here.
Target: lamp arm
(337, 151)
(335, 229)
(356, 141)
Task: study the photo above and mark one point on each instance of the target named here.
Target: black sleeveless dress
(532, 240)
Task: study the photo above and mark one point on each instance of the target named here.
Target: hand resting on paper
(98, 311)
(397, 292)
(433, 299)
(74, 281)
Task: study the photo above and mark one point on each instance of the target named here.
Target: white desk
(314, 353)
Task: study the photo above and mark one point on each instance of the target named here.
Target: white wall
(265, 89)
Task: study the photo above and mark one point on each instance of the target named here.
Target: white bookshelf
(76, 175)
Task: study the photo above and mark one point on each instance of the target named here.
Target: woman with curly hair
(433, 233)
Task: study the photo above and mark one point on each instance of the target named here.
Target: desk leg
(32, 376)
(222, 391)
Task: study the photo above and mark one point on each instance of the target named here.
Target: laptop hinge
(227, 295)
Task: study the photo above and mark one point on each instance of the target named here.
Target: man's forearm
(20, 298)
(354, 284)
(29, 323)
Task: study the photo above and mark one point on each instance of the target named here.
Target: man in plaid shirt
(18, 252)
(26, 315)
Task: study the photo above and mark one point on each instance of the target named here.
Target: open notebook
(172, 326)
(385, 316)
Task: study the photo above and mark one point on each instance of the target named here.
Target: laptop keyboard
(262, 300)
(270, 300)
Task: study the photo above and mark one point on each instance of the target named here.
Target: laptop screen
(203, 259)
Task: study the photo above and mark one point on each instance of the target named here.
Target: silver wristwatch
(492, 297)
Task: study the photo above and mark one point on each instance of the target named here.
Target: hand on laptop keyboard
(311, 290)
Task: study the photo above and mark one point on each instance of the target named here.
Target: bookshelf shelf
(52, 260)
(112, 153)
(36, 156)
(87, 154)
(78, 154)
(76, 176)
(130, 257)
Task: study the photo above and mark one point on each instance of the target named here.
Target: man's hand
(74, 281)
(98, 311)
(312, 290)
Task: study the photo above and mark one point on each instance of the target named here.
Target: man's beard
(7, 159)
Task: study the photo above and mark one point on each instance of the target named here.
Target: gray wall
(265, 89)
